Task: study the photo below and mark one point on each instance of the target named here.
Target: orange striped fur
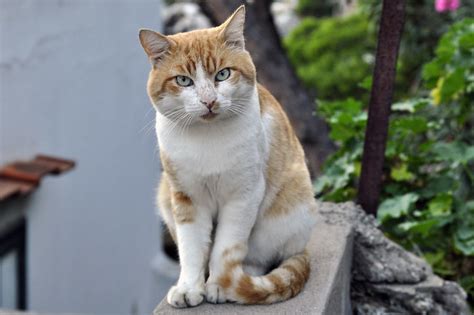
(241, 167)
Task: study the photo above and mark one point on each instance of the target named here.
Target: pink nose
(209, 104)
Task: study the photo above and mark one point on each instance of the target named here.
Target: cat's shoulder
(267, 101)
(269, 106)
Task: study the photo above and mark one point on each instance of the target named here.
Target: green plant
(427, 200)
(316, 8)
(332, 55)
(422, 31)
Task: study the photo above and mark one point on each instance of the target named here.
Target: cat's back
(281, 132)
(286, 175)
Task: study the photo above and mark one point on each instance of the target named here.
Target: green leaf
(340, 133)
(366, 84)
(457, 152)
(421, 227)
(439, 184)
(336, 178)
(469, 154)
(333, 109)
(465, 228)
(320, 184)
(441, 205)
(401, 173)
(452, 84)
(440, 264)
(396, 207)
(465, 233)
(469, 206)
(434, 258)
(466, 41)
(466, 247)
(409, 124)
(468, 284)
(431, 72)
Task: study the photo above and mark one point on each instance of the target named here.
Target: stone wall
(388, 279)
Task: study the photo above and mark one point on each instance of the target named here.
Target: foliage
(332, 54)
(422, 31)
(316, 8)
(428, 185)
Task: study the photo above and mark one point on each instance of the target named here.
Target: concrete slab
(326, 292)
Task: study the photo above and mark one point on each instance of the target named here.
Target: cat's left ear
(233, 29)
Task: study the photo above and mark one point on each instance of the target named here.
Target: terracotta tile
(22, 177)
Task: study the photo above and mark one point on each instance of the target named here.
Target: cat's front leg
(236, 220)
(193, 230)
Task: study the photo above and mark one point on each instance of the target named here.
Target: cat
(235, 192)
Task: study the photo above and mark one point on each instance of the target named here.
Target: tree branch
(391, 27)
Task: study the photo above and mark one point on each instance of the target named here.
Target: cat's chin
(209, 116)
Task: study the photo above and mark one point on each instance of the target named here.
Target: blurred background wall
(72, 84)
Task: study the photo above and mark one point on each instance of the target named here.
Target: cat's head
(203, 75)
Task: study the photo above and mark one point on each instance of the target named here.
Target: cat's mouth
(209, 116)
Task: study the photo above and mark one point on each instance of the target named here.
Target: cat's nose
(209, 103)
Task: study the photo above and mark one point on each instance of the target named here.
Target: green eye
(223, 74)
(184, 80)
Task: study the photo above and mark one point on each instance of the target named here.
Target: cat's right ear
(155, 44)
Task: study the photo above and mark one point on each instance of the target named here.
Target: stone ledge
(387, 279)
(326, 292)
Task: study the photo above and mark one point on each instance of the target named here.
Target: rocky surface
(388, 279)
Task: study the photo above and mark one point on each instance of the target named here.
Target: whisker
(147, 125)
(149, 110)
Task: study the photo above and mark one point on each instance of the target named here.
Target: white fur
(220, 165)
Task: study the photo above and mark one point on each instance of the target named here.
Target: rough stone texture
(388, 279)
(387, 260)
(326, 292)
(432, 296)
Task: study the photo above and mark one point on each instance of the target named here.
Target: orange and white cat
(235, 191)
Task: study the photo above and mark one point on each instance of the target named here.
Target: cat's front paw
(181, 296)
(215, 293)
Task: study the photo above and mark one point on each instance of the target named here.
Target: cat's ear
(233, 29)
(155, 44)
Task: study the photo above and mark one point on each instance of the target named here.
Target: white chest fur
(216, 158)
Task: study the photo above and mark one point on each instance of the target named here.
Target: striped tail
(281, 284)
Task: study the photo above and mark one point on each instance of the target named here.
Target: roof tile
(22, 177)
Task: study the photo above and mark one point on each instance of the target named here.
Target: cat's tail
(282, 283)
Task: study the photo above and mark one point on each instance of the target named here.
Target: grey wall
(72, 84)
